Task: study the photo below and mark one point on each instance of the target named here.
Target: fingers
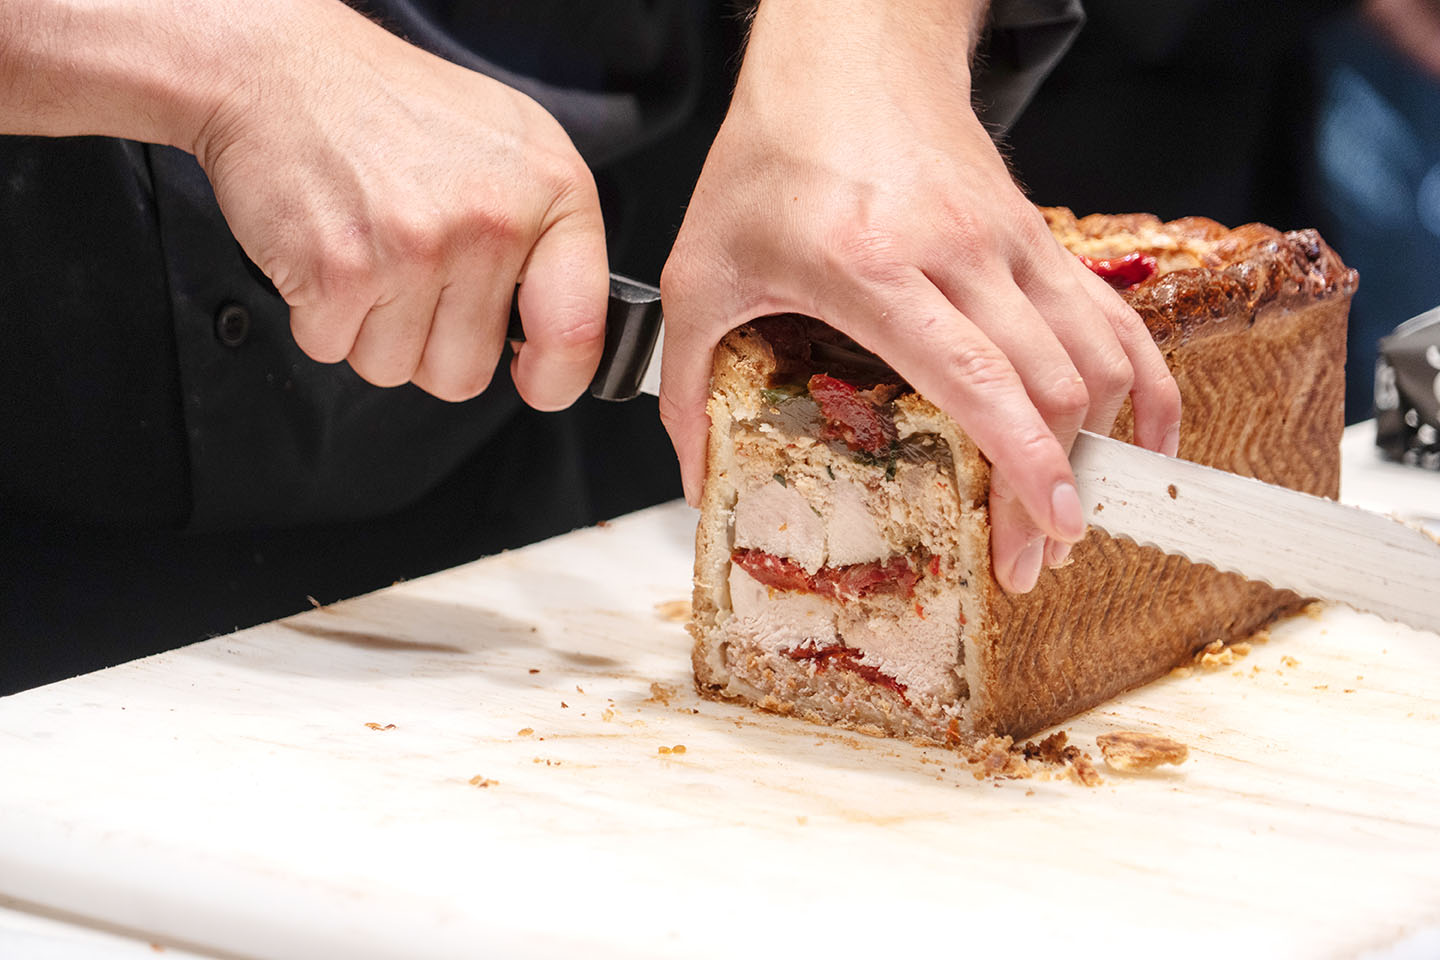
(949, 360)
(1017, 547)
(1154, 394)
(466, 338)
(1046, 363)
(392, 337)
(692, 329)
(562, 299)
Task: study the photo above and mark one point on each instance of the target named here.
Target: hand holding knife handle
(632, 327)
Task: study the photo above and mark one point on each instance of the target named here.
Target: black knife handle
(632, 325)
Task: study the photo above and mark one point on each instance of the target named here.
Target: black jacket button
(232, 324)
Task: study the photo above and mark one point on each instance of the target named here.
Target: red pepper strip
(848, 659)
(851, 418)
(1123, 273)
(839, 583)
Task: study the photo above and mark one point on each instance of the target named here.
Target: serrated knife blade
(1316, 547)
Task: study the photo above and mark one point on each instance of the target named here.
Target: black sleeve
(1023, 41)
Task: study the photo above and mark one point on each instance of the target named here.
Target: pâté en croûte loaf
(842, 569)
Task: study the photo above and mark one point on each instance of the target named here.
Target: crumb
(156, 947)
(479, 781)
(608, 715)
(534, 669)
(564, 705)
(526, 731)
(661, 693)
(1290, 661)
(1242, 649)
(1082, 771)
(1314, 611)
(1321, 686)
(675, 611)
(1214, 661)
(1181, 672)
(314, 603)
(1030, 792)
(1172, 491)
(376, 726)
(1099, 507)
(1359, 676)
(1260, 636)
(1349, 690)
(802, 820)
(1049, 750)
(678, 748)
(579, 689)
(662, 750)
(602, 524)
(1131, 750)
(1255, 669)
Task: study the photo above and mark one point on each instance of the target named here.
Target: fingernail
(1065, 512)
(1171, 446)
(1027, 566)
(1056, 553)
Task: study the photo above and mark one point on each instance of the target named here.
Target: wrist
(901, 44)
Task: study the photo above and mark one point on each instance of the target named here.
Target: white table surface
(230, 798)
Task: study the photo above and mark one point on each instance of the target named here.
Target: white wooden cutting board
(236, 797)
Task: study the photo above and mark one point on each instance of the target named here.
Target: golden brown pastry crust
(1211, 279)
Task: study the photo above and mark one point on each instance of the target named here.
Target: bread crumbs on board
(661, 693)
(1132, 751)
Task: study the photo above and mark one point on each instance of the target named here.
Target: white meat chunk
(779, 619)
(852, 533)
(919, 651)
(777, 518)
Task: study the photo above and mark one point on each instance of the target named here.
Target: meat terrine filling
(844, 547)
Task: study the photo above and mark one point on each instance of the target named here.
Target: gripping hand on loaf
(393, 198)
(852, 182)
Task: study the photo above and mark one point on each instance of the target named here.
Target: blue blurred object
(1376, 186)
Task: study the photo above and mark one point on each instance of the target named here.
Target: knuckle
(483, 227)
(320, 346)
(381, 372)
(983, 369)
(1114, 378)
(416, 240)
(460, 388)
(870, 253)
(580, 333)
(1067, 398)
(340, 267)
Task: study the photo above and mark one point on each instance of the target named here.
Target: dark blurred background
(1295, 113)
(1292, 112)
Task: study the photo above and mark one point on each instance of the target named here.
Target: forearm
(151, 70)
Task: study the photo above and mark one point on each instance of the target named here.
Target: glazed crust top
(1209, 279)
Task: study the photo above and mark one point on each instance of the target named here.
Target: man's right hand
(394, 199)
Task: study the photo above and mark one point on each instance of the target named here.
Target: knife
(1291, 540)
(1316, 547)
(634, 334)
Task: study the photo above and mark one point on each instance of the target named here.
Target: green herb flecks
(888, 459)
(780, 479)
(778, 395)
